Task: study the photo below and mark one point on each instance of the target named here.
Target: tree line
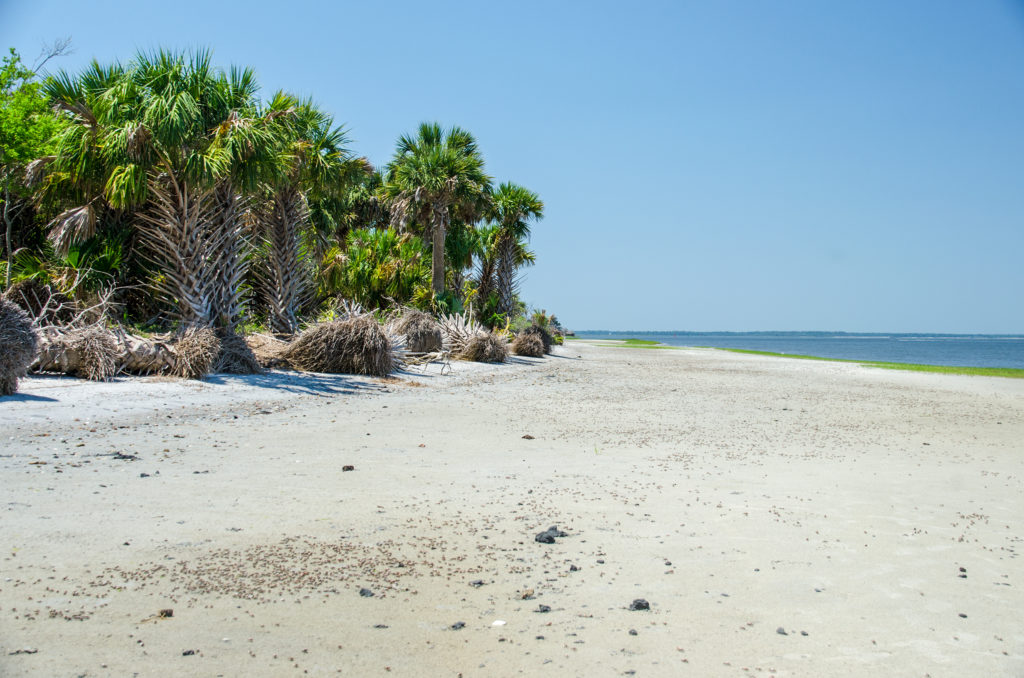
(173, 182)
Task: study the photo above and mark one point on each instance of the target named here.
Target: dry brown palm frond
(96, 352)
(528, 344)
(235, 355)
(422, 332)
(73, 226)
(457, 329)
(195, 353)
(19, 342)
(485, 347)
(35, 171)
(268, 350)
(354, 346)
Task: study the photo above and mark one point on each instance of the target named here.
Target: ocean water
(964, 350)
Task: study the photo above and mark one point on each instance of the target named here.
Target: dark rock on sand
(366, 593)
(639, 604)
(548, 536)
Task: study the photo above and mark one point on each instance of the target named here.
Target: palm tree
(314, 167)
(433, 177)
(513, 207)
(175, 140)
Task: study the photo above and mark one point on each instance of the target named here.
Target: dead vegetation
(527, 344)
(357, 345)
(195, 352)
(422, 332)
(485, 347)
(19, 342)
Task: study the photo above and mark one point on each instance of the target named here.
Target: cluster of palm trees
(232, 207)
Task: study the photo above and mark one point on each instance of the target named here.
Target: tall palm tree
(431, 178)
(314, 166)
(513, 208)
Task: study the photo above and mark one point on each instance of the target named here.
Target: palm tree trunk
(9, 223)
(505, 277)
(230, 264)
(437, 256)
(176, 234)
(285, 283)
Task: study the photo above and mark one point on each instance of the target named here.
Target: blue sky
(705, 165)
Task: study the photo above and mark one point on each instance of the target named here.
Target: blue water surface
(964, 350)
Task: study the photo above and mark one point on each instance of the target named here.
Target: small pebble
(366, 593)
(639, 604)
(781, 631)
(458, 625)
(633, 632)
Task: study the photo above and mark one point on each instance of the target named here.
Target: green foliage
(1009, 372)
(377, 268)
(434, 178)
(27, 125)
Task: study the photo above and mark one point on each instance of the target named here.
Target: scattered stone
(539, 637)
(668, 563)
(348, 467)
(548, 536)
(143, 475)
(781, 631)
(528, 437)
(458, 625)
(380, 626)
(189, 653)
(165, 613)
(573, 568)
(366, 593)
(633, 632)
(476, 583)
(639, 604)
(600, 561)
(543, 608)
(804, 633)
(121, 456)
(963, 616)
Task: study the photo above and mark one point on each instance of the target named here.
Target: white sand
(820, 498)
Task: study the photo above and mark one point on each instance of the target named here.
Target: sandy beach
(779, 517)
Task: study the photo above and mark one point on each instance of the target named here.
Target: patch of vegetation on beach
(1008, 372)
(640, 343)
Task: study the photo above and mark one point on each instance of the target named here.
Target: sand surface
(781, 517)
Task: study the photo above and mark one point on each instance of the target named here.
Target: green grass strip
(1008, 372)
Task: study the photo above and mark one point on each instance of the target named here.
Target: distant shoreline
(941, 350)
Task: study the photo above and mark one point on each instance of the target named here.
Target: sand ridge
(782, 517)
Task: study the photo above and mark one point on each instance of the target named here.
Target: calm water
(979, 350)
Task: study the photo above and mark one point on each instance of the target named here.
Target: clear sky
(705, 165)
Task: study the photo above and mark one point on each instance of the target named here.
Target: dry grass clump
(422, 332)
(528, 344)
(41, 302)
(541, 333)
(195, 353)
(485, 347)
(19, 342)
(96, 352)
(268, 350)
(236, 357)
(357, 345)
